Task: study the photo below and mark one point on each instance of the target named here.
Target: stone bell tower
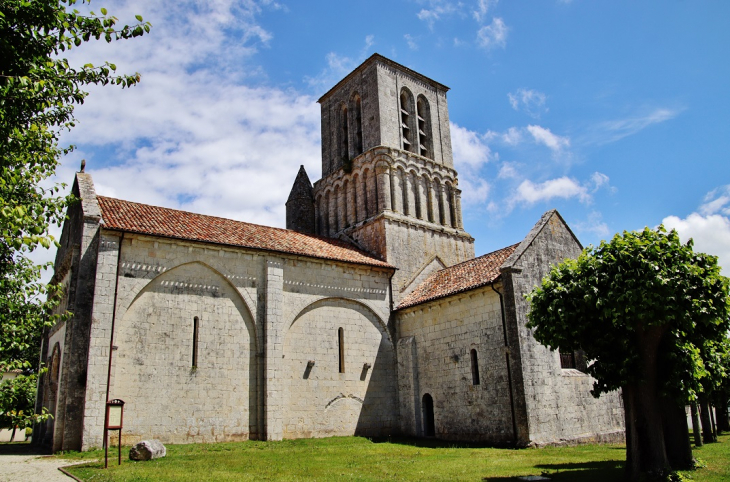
(388, 180)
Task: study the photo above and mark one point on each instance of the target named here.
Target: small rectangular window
(341, 346)
(474, 368)
(196, 322)
(567, 360)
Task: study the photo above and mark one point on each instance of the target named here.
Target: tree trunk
(707, 436)
(723, 422)
(712, 422)
(676, 435)
(645, 448)
(12, 435)
(696, 431)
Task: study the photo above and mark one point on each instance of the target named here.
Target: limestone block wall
(557, 402)
(412, 246)
(76, 268)
(162, 287)
(362, 84)
(175, 394)
(319, 400)
(248, 311)
(49, 391)
(350, 388)
(434, 357)
(391, 81)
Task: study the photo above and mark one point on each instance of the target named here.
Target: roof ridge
(325, 238)
(465, 276)
(147, 219)
(477, 257)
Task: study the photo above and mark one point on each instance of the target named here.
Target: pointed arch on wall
(329, 300)
(245, 298)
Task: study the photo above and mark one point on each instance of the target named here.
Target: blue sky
(615, 113)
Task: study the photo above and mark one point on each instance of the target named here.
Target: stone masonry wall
(77, 259)
(246, 303)
(558, 404)
(434, 356)
(390, 83)
(365, 84)
(320, 399)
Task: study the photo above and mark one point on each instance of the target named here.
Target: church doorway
(429, 429)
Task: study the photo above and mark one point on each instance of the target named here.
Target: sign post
(113, 421)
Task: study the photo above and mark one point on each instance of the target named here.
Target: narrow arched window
(425, 144)
(196, 331)
(474, 367)
(407, 122)
(344, 135)
(341, 349)
(429, 425)
(358, 125)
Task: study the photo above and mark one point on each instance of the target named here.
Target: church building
(369, 315)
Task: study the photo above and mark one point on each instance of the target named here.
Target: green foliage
(38, 92)
(24, 313)
(640, 282)
(17, 403)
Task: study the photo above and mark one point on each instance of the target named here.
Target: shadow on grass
(608, 471)
(435, 443)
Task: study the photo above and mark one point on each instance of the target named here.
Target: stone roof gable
(139, 218)
(527, 242)
(461, 277)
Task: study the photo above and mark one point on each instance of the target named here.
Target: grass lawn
(354, 458)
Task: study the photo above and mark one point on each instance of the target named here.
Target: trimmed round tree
(642, 307)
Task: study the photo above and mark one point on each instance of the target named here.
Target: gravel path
(21, 463)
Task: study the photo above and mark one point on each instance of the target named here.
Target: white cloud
(512, 137)
(508, 171)
(471, 152)
(593, 225)
(469, 148)
(195, 134)
(338, 66)
(711, 234)
(543, 135)
(717, 201)
(709, 228)
(493, 35)
(530, 101)
(482, 8)
(611, 131)
(599, 180)
(411, 42)
(474, 190)
(437, 9)
(563, 187)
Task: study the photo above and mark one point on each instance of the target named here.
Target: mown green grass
(354, 458)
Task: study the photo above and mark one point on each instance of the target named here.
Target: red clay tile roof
(464, 276)
(133, 217)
